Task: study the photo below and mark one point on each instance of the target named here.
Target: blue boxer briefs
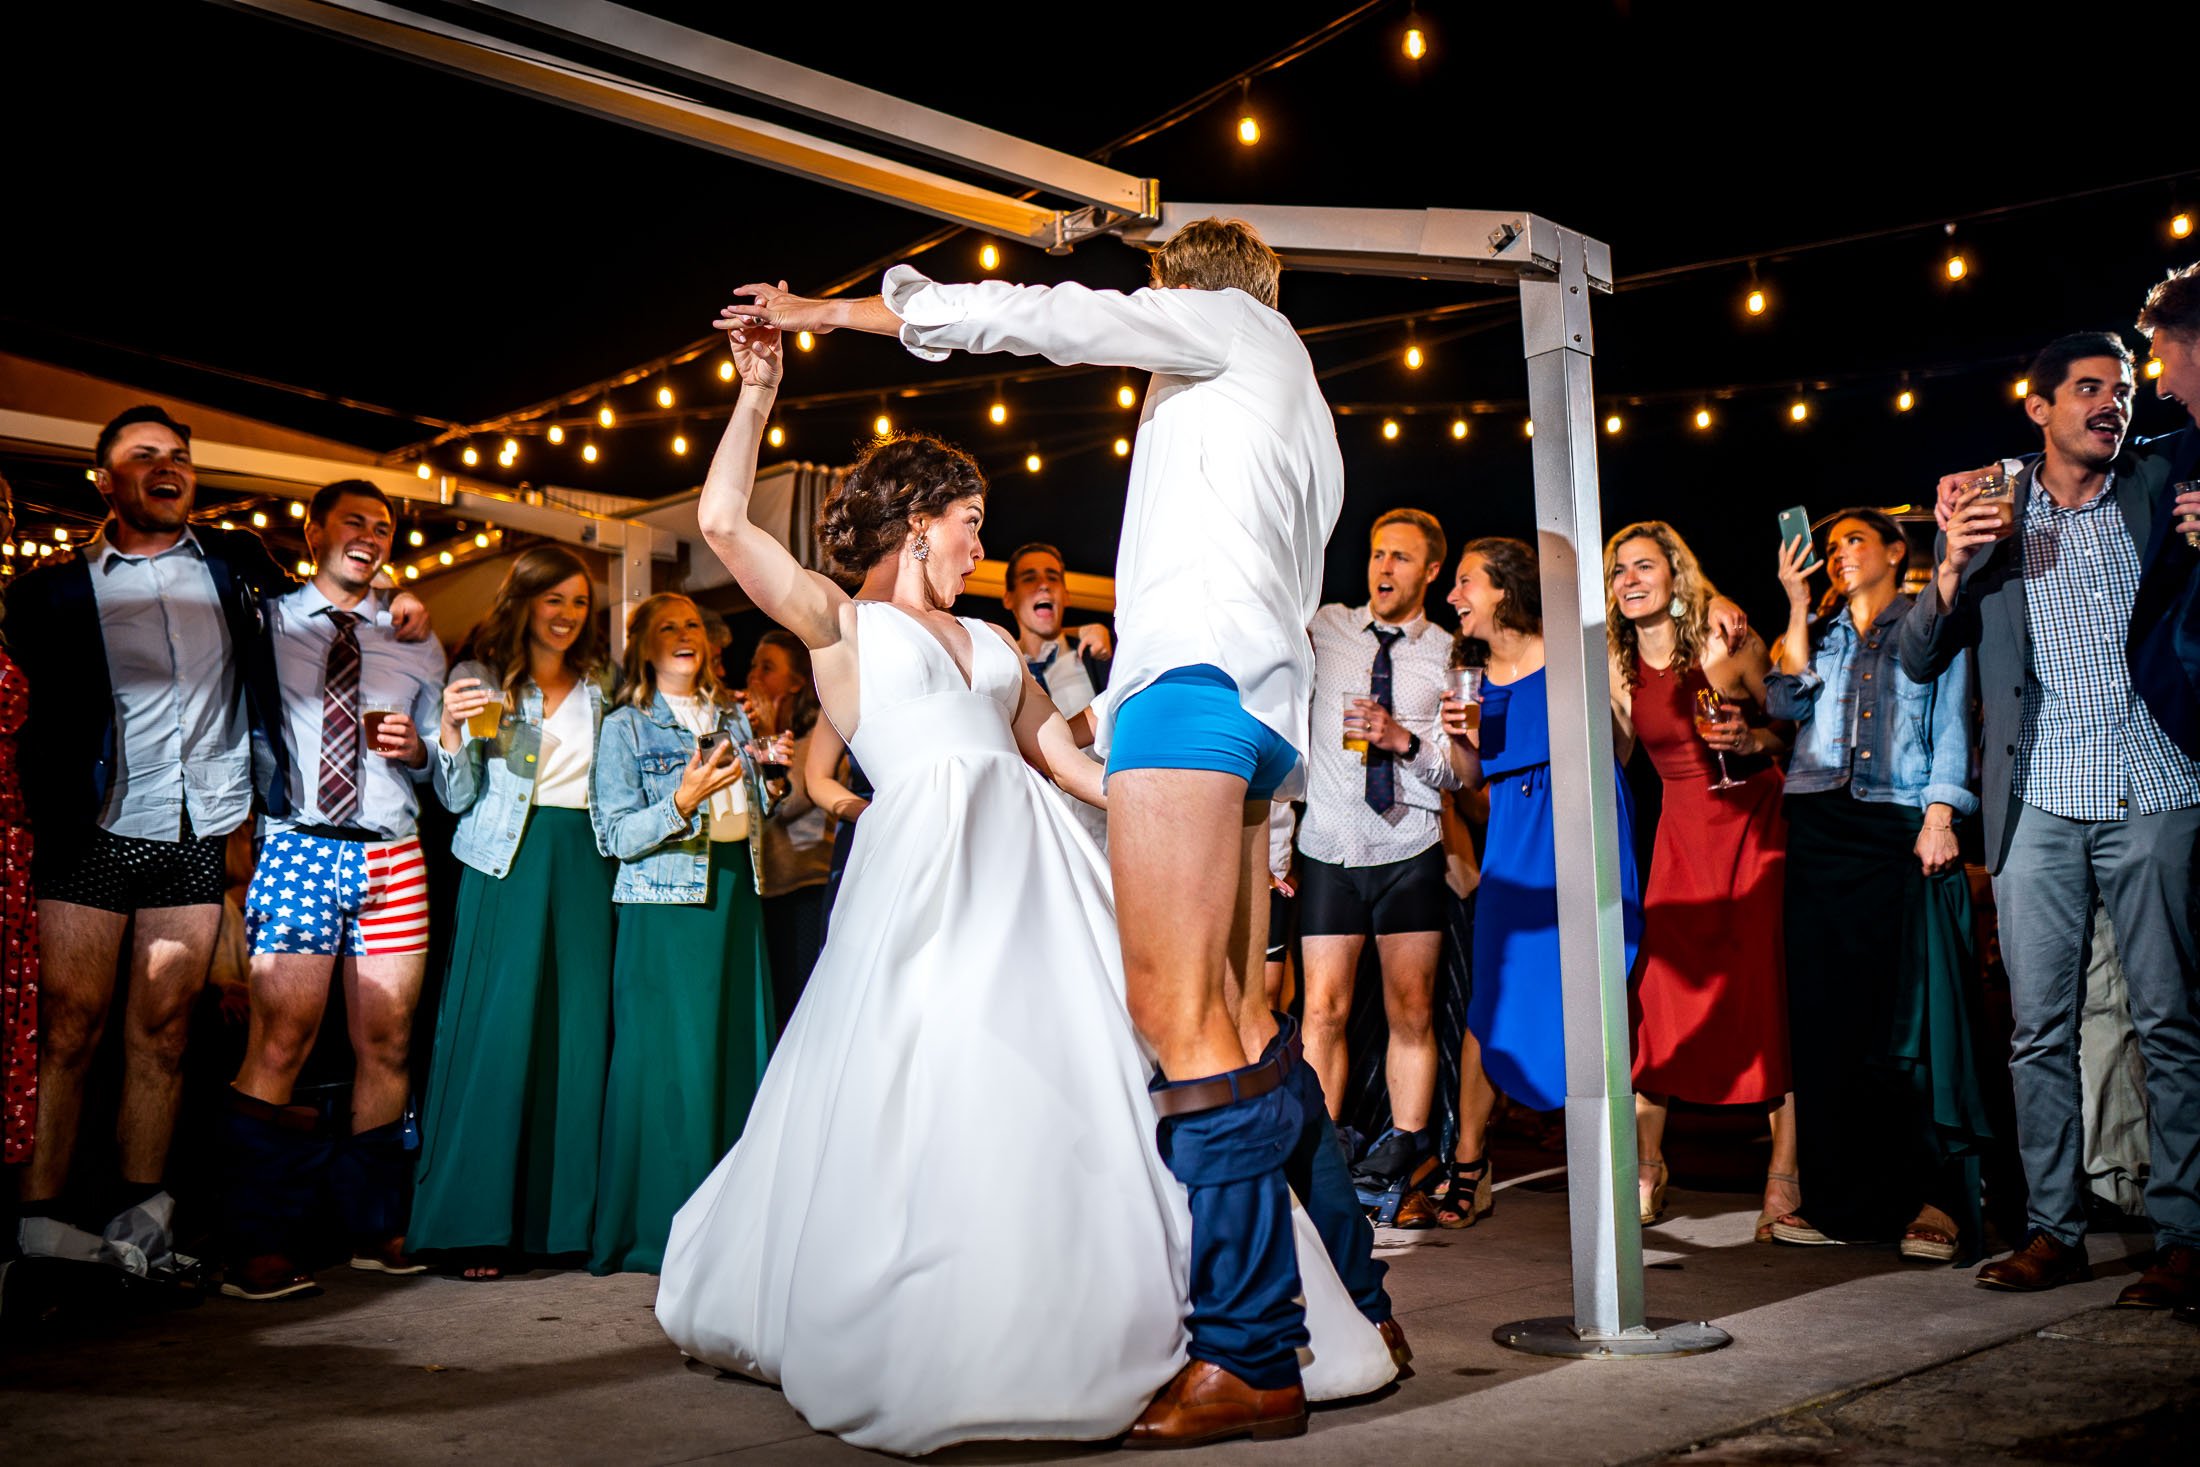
(1190, 718)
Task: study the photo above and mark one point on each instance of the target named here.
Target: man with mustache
(341, 887)
(2082, 790)
(1072, 665)
(143, 773)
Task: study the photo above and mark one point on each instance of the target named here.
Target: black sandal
(1470, 1181)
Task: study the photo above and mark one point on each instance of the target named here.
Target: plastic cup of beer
(482, 723)
(2189, 486)
(1355, 727)
(371, 718)
(1997, 491)
(1465, 684)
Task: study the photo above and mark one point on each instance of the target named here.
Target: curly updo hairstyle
(866, 518)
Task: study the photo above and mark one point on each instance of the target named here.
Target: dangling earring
(1675, 607)
(920, 550)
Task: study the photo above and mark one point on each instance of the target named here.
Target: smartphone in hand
(707, 742)
(1794, 526)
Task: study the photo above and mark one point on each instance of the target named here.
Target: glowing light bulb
(45, 550)
(1126, 396)
(664, 397)
(1905, 400)
(1703, 417)
(1390, 429)
(588, 452)
(881, 426)
(679, 443)
(297, 512)
(2154, 367)
(725, 371)
(1413, 359)
(259, 520)
(305, 568)
(481, 542)
(1798, 411)
(775, 435)
(424, 471)
(444, 557)
(1754, 303)
(1528, 428)
(989, 257)
(1031, 463)
(803, 341)
(998, 413)
(556, 434)
(2023, 388)
(416, 539)
(1416, 43)
(8, 549)
(604, 415)
(1458, 427)
(226, 524)
(1248, 130)
(412, 572)
(469, 458)
(1612, 424)
(1958, 267)
(2180, 225)
(1122, 448)
(511, 448)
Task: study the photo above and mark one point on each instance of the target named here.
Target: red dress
(1710, 1009)
(18, 931)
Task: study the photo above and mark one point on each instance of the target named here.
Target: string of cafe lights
(1424, 334)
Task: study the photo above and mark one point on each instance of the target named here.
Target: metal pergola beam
(618, 31)
(1488, 246)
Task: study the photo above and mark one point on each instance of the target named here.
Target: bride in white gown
(947, 1220)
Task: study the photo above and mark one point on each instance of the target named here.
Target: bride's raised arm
(799, 599)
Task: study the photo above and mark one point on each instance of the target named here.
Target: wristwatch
(1412, 749)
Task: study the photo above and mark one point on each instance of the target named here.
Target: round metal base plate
(1556, 1336)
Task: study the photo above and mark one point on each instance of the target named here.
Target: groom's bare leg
(1176, 848)
(1245, 986)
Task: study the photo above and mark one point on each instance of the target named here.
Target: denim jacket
(1862, 722)
(663, 856)
(490, 783)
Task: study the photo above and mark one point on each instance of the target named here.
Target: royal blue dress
(1515, 1009)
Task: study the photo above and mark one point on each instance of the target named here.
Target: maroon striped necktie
(339, 798)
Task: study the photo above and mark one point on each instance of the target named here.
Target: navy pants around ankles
(367, 1180)
(1245, 1310)
(270, 1182)
(1318, 1172)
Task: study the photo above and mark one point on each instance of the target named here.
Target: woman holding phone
(1887, 1052)
(514, 1110)
(680, 803)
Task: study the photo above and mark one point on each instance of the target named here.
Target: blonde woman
(679, 801)
(1710, 1005)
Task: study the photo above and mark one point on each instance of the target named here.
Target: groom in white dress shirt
(1235, 484)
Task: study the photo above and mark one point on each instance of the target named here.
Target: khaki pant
(2112, 1096)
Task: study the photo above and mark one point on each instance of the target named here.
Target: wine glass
(1711, 712)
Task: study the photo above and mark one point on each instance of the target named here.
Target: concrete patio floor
(554, 1367)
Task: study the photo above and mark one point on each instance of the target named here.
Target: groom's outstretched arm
(1184, 333)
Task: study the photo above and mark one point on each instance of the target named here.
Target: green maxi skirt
(691, 1003)
(513, 1118)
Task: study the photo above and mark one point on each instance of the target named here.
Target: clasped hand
(1383, 731)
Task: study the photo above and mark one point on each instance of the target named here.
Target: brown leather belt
(1219, 1090)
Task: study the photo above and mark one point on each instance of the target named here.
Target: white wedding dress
(946, 1220)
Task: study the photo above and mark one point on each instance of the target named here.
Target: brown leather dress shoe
(1401, 1353)
(1206, 1403)
(2041, 1263)
(388, 1256)
(2172, 1283)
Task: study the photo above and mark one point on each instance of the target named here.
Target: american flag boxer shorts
(337, 898)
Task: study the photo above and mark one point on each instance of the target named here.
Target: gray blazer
(1989, 615)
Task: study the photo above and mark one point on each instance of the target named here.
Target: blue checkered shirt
(2088, 748)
